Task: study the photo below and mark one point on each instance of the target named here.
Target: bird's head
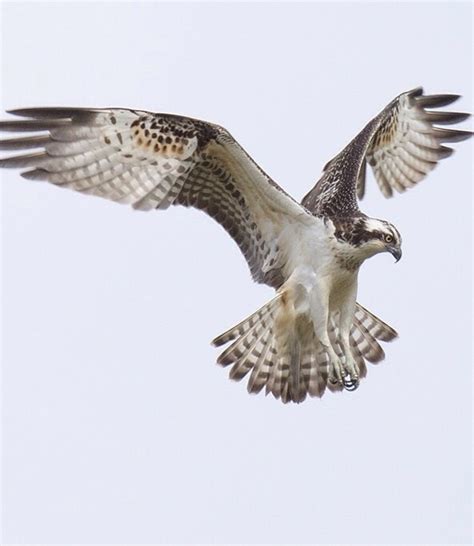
(362, 237)
(377, 236)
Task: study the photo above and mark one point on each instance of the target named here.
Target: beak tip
(396, 253)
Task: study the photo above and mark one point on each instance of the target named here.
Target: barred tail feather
(314, 364)
(377, 327)
(247, 324)
(261, 371)
(367, 343)
(252, 347)
(244, 364)
(278, 349)
(366, 330)
(359, 358)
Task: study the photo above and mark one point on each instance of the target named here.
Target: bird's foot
(351, 375)
(351, 383)
(337, 373)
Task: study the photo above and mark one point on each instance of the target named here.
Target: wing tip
(451, 135)
(16, 111)
(30, 112)
(415, 92)
(35, 174)
(36, 141)
(52, 112)
(436, 101)
(443, 118)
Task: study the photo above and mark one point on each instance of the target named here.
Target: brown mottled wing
(152, 161)
(402, 144)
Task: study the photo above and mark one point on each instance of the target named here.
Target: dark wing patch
(402, 145)
(152, 161)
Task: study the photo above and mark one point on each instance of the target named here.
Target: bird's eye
(388, 238)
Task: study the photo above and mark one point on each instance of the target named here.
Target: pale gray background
(118, 426)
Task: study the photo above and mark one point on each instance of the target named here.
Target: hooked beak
(396, 252)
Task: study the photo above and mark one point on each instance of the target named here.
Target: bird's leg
(335, 365)
(351, 373)
(337, 375)
(320, 317)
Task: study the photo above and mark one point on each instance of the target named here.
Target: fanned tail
(277, 348)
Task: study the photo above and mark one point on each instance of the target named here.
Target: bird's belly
(314, 269)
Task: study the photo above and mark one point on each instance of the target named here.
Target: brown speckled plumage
(401, 144)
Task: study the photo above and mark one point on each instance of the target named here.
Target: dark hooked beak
(396, 252)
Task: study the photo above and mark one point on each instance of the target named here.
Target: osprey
(313, 334)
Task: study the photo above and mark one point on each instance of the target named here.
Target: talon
(351, 384)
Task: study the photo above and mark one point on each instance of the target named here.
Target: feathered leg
(321, 321)
(346, 319)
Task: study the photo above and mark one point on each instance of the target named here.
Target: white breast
(313, 263)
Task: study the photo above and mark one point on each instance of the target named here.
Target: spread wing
(152, 161)
(402, 145)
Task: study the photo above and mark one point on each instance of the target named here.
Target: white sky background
(117, 424)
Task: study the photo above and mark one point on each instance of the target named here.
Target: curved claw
(351, 384)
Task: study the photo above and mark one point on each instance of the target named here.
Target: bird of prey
(313, 334)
